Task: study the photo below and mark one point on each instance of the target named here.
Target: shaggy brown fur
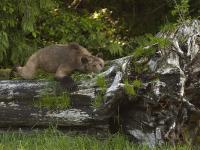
(61, 60)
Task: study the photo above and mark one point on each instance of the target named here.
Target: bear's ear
(100, 55)
(84, 60)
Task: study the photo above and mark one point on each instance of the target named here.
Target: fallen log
(18, 99)
(163, 108)
(18, 109)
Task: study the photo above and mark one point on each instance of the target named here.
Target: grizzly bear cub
(61, 59)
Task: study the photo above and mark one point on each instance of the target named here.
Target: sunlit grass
(54, 140)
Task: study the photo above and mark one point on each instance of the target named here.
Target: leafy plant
(28, 25)
(41, 74)
(131, 87)
(146, 44)
(4, 44)
(180, 13)
(137, 83)
(168, 27)
(98, 100)
(101, 82)
(17, 28)
(67, 26)
(181, 10)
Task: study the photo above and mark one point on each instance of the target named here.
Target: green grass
(50, 101)
(54, 140)
(98, 100)
(132, 86)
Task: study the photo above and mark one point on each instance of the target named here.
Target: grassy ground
(54, 140)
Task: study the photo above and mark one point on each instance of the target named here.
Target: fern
(131, 87)
(181, 10)
(98, 100)
(168, 27)
(145, 45)
(18, 20)
(115, 48)
(101, 82)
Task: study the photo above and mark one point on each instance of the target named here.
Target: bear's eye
(101, 65)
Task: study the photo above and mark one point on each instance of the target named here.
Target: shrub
(28, 25)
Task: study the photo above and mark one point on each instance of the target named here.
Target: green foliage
(41, 74)
(168, 27)
(98, 100)
(131, 87)
(28, 25)
(101, 82)
(17, 28)
(113, 42)
(50, 101)
(53, 139)
(4, 44)
(181, 10)
(91, 32)
(137, 83)
(146, 45)
(137, 17)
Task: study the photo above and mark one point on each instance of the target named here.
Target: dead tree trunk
(18, 99)
(165, 105)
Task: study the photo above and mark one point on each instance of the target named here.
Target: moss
(78, 76)
(4, 74)
(50, 101)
